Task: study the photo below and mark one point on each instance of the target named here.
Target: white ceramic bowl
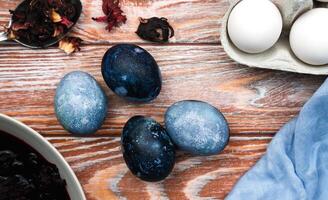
(35, 140)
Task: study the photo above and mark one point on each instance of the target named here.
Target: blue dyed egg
(131, 73)
(147, 149)
(197, 127)
(80, 103)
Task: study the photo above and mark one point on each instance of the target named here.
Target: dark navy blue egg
(147, 149)
(197, 127)
(132, 73)
(80, 103)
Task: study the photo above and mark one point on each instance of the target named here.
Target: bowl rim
(51, 149)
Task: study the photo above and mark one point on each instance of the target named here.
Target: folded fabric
(295, 165)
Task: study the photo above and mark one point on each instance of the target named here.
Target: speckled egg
(80, 103)
(197, 127)
(132, 73)
(147, 149)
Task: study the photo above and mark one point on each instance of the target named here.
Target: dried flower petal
(155, 29)
(11, 35)
(113, 14)
(58, 31)
(66, 22)
(19, 26)
(55, 16)
(100, 19)
(70, 44)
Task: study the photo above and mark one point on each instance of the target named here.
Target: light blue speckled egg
(80, 103)
(197, 127)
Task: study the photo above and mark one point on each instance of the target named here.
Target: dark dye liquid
(26, 175)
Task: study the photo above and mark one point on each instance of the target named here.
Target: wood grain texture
(101, 169)
(195, 21)
(254, 101)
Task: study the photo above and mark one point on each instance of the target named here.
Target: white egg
(309, 37)
(254, 25)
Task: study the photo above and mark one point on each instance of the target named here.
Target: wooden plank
(100, 167)
(195, 21)
(255, 101)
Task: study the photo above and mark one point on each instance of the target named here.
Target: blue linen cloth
(295, 165)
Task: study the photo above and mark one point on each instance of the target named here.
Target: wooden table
(256, 102)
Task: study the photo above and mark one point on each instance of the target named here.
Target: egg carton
(280, 56)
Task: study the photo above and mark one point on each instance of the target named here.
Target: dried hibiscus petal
(70, 44)
(113, 14)
(19, 26)
(11, 35)
(155, 29)
(66, 22)
(55, 16)
(58, 31)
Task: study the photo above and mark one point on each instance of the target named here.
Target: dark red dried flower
(113, 14)
(155, 29)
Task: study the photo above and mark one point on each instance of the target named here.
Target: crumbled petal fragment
(66, 22)
(58, 31)
(11, 35)
(70, 44)
(55, 16)
(19, 26)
